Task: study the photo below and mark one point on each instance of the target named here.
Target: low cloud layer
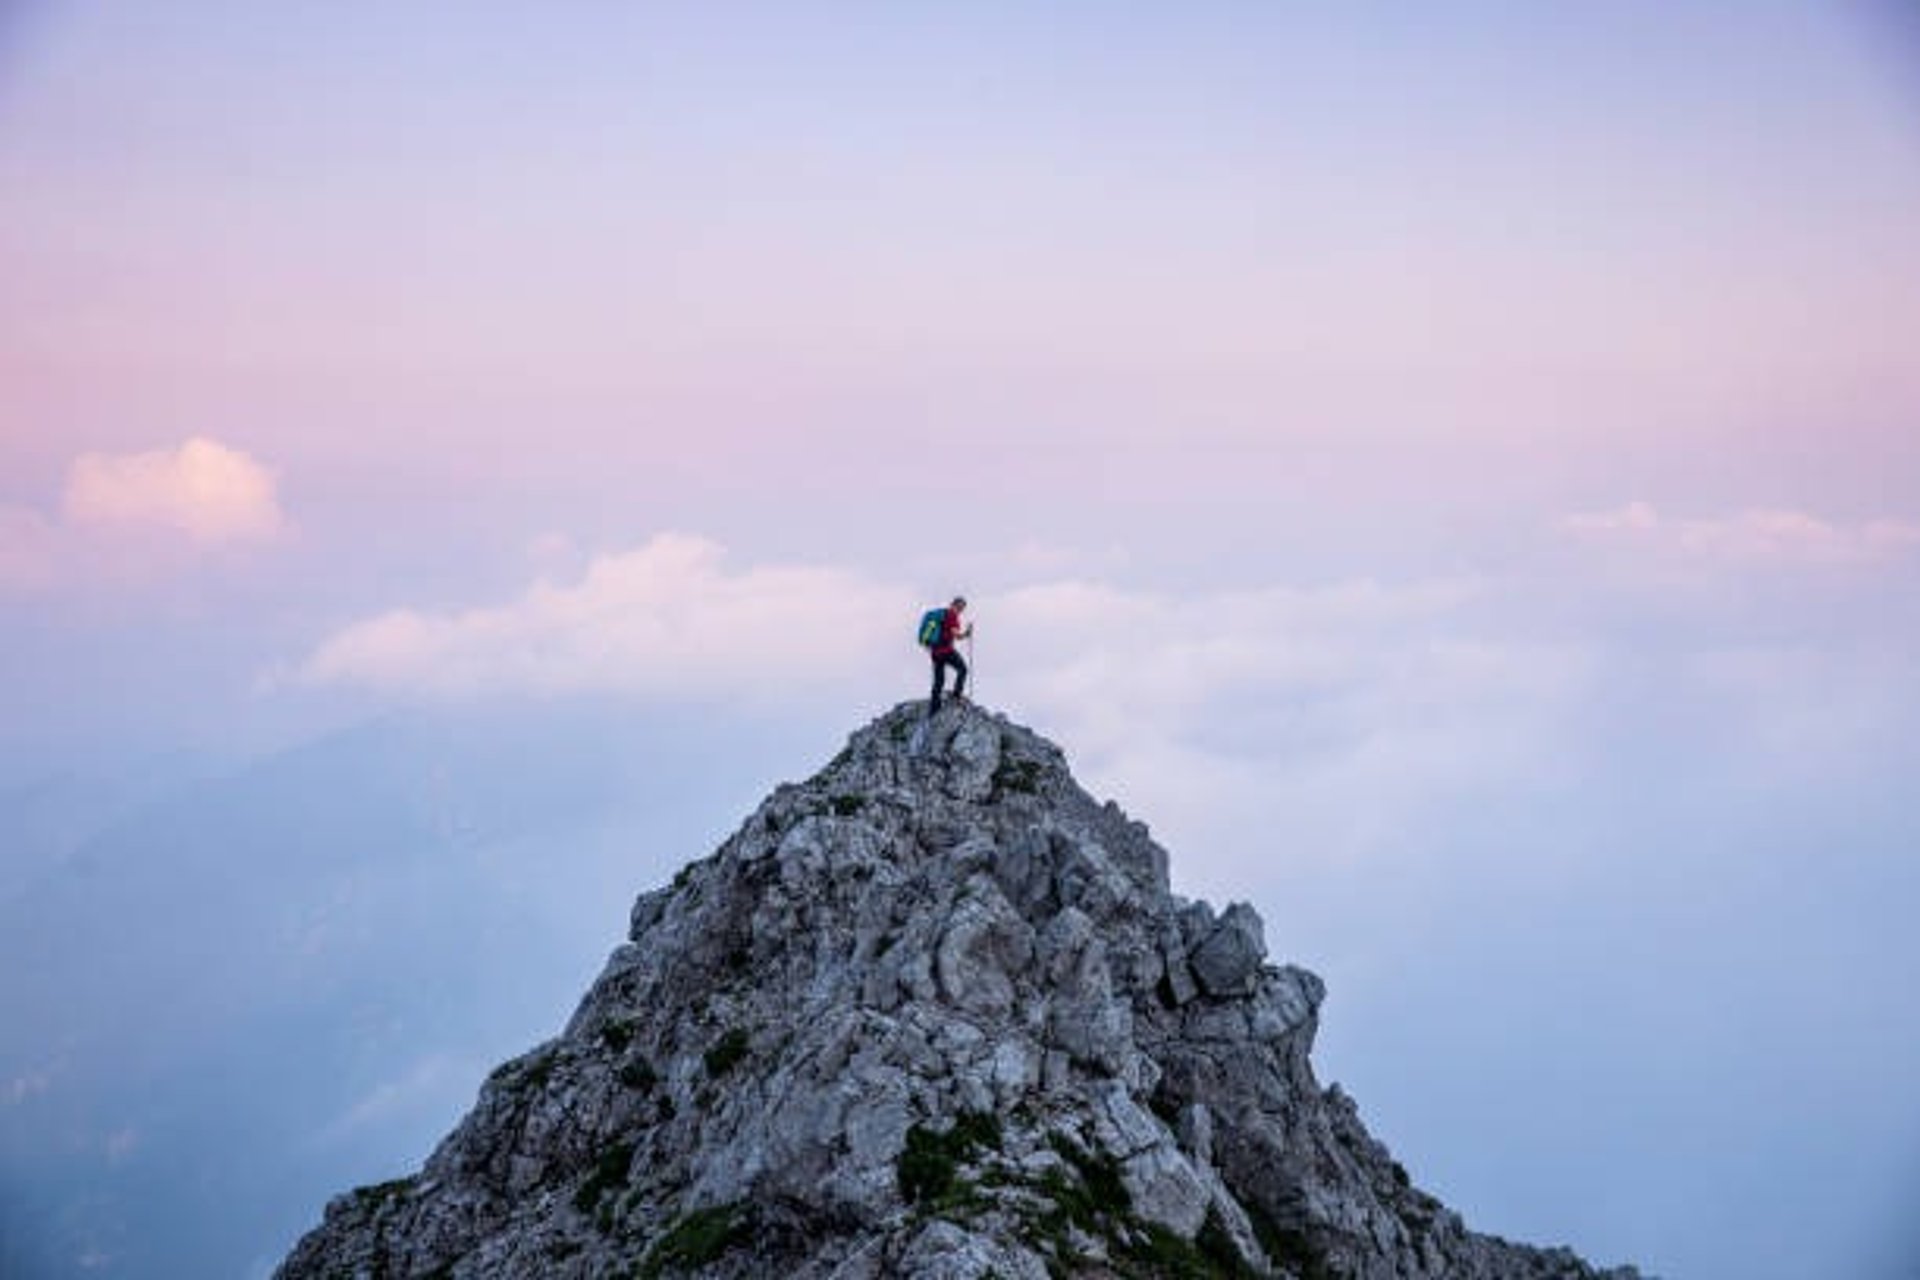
(1759, 536)
(1353, 706)
(1347, 706)
(1201, 704)
(669, 618)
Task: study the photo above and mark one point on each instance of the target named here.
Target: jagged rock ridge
(932, 1013)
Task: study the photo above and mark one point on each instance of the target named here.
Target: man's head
(959, 603)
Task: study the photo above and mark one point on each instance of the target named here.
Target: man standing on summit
(947, 629)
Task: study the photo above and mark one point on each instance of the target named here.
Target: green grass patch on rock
(1150, 1249)
(929, 1165)
(530, 1071)
(1287, 1245)
(1022, 776)
(1101, 1188)
(609, 1174)
(726, 1053)
(378, 1194)
(698, 1239)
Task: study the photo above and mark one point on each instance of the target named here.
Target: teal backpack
(930, 623)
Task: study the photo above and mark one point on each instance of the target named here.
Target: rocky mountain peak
(934, 1012)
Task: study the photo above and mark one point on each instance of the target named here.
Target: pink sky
(460, 283)
(1496, 408)
(1197, 307)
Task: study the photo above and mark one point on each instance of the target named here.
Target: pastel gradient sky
(1229, 292)
(1347, 416)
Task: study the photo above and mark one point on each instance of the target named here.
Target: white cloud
(1633, 518)
(1354, 701)
(1759, 536)
(123, 517)
(202, 489)
(1359, 710)
(1346, 708)
(668, 618)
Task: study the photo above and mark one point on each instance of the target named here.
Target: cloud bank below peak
(1351, 688)
(1362, 702)
(1759, 536)
(669, 618)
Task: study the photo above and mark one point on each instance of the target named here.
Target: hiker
(940, 648)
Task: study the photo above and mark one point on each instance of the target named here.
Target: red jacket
(949, 628)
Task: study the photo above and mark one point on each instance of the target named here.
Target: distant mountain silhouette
(253, 988)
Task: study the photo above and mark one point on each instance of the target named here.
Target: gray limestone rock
(1227, 960)
(933, 1013)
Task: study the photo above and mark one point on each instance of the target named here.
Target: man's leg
(939, 679)
(960, 679)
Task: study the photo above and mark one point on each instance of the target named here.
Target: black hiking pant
(941, 661)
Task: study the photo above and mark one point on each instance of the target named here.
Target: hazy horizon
(1451, 472)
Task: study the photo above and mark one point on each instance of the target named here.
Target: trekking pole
(973, 672)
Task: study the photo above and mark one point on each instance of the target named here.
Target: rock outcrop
(933, 1013)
